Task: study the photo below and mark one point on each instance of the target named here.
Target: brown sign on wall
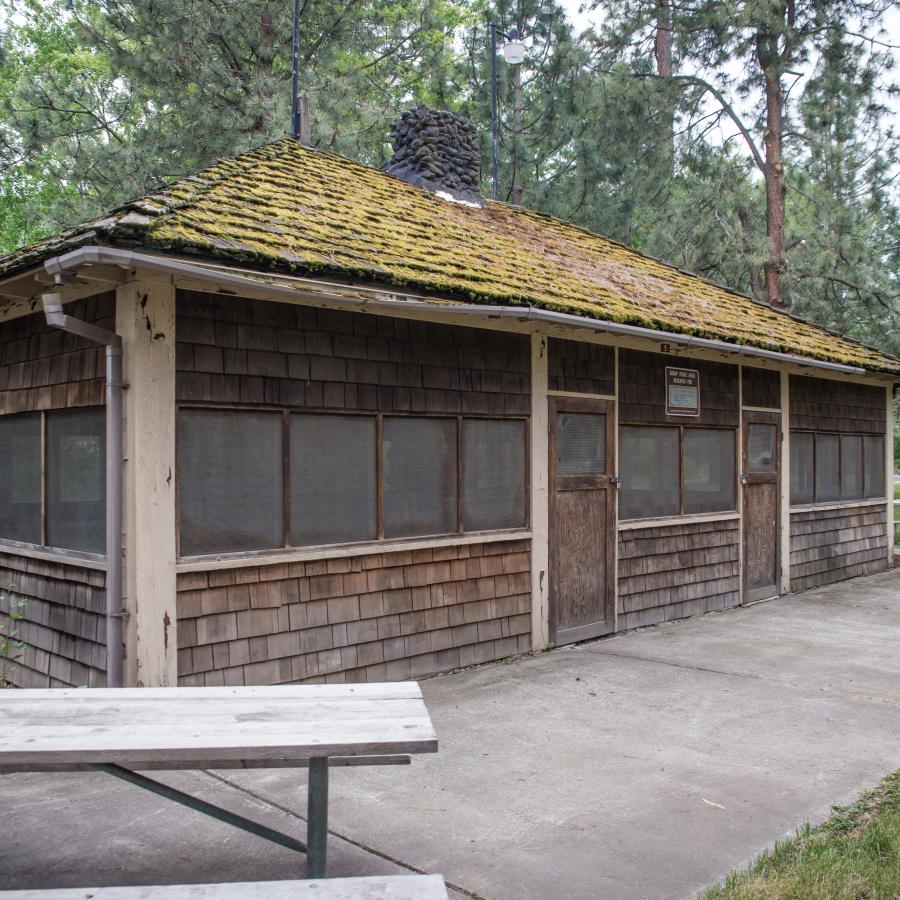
(682, 392)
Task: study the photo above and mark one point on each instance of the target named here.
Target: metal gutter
(115, 611)
(70, 262)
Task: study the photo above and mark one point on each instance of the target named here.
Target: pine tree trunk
(515, 193)
(775, 191)
(662, 51)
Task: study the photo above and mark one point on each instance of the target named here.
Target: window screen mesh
(828, 475)
(873, 452)
(649, 466)
(851, 467)
(20, 478)
(230, 481)
(76, 479)
(802, 483)
(420, 487)
(333, 491)
(580, 444)
(494, 474)
(761, 447)
(709, 476)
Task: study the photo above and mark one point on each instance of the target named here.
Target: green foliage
(855, 854)
(11, 648)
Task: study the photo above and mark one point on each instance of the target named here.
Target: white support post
(145, 319)
(785, 500)
(889, 473)
(540, 509)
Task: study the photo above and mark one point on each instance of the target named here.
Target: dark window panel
(420, 484)
(580, 444)
(649, 468)
(76, 479)
(333, 479)
(851, 467)
(20, 478)
(709, 475)
(230, 481)
(494, 474)
(762, 447)
(802, 475)
(828, 475)
(873, 451)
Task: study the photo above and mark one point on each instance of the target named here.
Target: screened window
(762, 445)
(259, 480)
(53, 489)
(669, 471)
(333, 484)
(873, 466)
(20, 478)
(826, 468)
(580, 444)
(649, 465)
(231, 485)
(494, 476)
(709, 470)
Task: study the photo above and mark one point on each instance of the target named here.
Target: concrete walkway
(643, 766)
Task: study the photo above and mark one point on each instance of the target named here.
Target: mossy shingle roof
(290, 208)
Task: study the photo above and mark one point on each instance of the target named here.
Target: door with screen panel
(582, 519)
(761, 487)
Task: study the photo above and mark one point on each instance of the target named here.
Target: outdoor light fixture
(514, 54)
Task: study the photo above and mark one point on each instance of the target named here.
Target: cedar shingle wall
(672, 571)
(580, 367)
(383, 617)
(819, 404)
(64, 626)
(642, 390)
(232, 350)
(831, 545)
(760, 387)
(43, 368)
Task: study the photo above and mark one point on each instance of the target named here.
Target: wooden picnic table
(124, 731)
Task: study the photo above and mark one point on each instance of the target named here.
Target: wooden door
(582, 519)
(761, 486)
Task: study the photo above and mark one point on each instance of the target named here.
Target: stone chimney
(438, 151)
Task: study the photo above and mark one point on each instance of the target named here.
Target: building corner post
(785, 499)
(889, 474)
(540, 510)
(145, 319)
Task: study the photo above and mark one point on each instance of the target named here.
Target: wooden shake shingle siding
(232, 350)
(579, 367)
(760, 387)
(642, 390)
(387, 616)
(821, 404)
(672, 571)
(43, 368)
(831, 545)
(64, 628)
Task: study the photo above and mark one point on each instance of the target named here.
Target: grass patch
(855, 855)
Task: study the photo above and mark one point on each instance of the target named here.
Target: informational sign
(682, 392)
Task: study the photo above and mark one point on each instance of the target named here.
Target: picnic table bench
(391, 887)
(126, 731)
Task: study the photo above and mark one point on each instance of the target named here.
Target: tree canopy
(749, 141)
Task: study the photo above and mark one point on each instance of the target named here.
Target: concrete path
(644, 766)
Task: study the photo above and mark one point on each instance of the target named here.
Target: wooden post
(889, 472)
(785, 482)
(145, 319)
(540, 509)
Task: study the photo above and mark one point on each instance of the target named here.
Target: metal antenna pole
(295, 74)
(496, 187)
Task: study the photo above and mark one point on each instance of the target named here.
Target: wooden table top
(125, 725)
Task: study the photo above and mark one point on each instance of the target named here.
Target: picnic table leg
(317, 818)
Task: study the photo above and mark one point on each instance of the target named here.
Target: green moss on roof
(290, 208)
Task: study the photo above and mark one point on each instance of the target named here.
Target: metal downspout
(115, 611)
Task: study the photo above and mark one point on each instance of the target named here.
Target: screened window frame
(379, 417)
(681, 428)
(42, 545)
(811, 504)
